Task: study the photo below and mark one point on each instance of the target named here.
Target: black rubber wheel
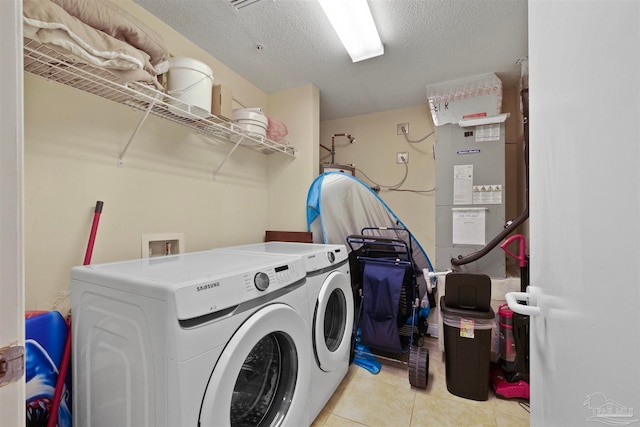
(419, 367)
(352, 350)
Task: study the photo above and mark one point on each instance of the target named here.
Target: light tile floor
(387, 399)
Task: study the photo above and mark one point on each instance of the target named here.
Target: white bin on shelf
(190, 81)
(252, 120)
(477, 96)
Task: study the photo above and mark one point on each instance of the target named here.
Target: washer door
(333, 322)
(262, 377)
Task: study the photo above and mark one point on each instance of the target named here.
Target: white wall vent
(241, 4)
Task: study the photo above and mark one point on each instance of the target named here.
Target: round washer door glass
(335, 316)
(264, 388)
(333, 321)
(262, 377)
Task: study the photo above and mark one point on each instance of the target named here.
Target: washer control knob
(331, 256)
(261, 281)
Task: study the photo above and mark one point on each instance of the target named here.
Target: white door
(584, 63)
(12, 396)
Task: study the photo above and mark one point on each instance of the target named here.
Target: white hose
(430, 275)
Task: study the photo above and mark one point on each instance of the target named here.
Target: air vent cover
(241, 4)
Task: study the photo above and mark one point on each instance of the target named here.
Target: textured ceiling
(425, 41)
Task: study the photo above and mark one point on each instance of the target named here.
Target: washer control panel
(215, 292)
(281, 275)
(261, 281)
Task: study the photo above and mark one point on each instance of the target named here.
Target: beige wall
(289, 179)
(73, 140)
(374, 154)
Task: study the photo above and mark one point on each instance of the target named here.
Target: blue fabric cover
(382, 283)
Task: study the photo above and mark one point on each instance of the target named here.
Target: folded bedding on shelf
(49, 24)
(108, 17)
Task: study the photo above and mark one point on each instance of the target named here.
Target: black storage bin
(468, 291)
(467, 350)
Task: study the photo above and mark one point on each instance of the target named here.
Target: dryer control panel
(324, 257)
(218, 293)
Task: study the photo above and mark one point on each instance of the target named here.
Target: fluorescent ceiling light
(354, 24)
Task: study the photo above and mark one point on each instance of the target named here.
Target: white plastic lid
(242, 114)
(254, 109)
(190, 63)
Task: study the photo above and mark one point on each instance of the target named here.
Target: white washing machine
(209, 338)
(331, 308)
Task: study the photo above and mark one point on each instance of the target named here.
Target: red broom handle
(62, 374)
(66, 353)
(92, 236)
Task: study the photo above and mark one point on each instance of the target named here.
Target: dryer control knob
(261, 281)
(331, 256)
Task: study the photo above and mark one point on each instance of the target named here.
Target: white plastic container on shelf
(477, 96)
(190, 81)
(252, 120)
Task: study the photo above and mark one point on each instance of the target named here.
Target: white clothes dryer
(209, 338)
(331, 308)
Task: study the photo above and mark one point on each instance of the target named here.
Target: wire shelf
(47, 63)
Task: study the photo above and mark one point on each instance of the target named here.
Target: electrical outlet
(400, 127)
(402, 157)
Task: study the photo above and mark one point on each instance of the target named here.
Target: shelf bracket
(137, 129)
(215, 172)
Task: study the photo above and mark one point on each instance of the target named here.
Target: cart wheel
(419, 367)
(420, 341)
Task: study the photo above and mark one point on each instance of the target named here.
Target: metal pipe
(332, 150)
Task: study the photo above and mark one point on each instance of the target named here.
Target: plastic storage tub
(252, 120)
(467, 350)
(477, 96)
(191, 82)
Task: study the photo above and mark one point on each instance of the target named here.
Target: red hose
(66, 354)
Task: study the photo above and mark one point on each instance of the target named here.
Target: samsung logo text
(207, 286)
